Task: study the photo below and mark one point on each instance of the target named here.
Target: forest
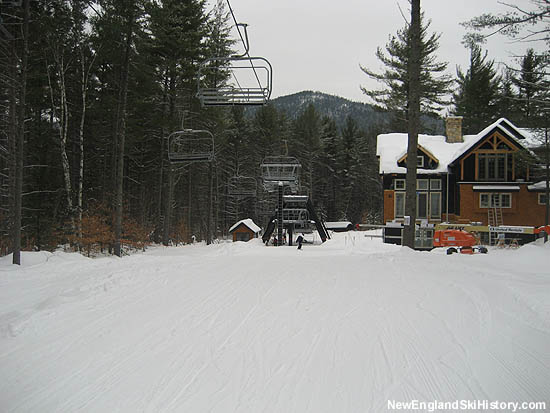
(90, 92)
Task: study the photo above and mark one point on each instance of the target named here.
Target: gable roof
(392, 146)
(248, 223)
(503, 126)
(420, 148)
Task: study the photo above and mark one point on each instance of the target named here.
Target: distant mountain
(340, 108)
(335, 107)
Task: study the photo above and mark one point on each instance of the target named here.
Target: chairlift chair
(191, 145)
(250, 81)
(242, 186)
(284, 169)
(298, 216)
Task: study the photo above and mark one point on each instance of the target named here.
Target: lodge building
(486, 178)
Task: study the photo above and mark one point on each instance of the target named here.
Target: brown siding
(388, 206)
(242, 228)
(525, 209)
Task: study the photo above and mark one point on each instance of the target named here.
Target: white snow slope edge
(340, 327)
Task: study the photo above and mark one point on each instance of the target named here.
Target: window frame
(430, 213)
(433, 187)
(400, 194)
(495, 200)
(427, 181)
(427, 205)
(400, 180)
(419, 161)
(489, 166)
(540, 199)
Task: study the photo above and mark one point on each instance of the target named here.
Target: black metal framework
(284, 169)
(250, 81)
(191, 145)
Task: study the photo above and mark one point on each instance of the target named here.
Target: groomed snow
(240, 327)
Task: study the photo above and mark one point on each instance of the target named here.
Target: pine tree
(532, 88)
(329, 182)
(478, 90)
(306, 146)
(348, 165)
(434, 83)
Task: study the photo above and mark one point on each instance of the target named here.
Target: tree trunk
(209, 218)
(168, 206)
(20, 140)
(63, 133)
(84, 91)
(413, 125)
(122, 136)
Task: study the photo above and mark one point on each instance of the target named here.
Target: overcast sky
(319, 44)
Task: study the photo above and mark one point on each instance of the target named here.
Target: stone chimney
(453, 125)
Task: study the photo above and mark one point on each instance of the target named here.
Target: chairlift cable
(244, 44)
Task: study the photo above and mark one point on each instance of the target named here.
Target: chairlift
(242, 186)
(250, 81)
(191, 145)
(283, 169)
(295, 216)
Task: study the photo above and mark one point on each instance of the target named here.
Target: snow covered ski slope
(340, 327)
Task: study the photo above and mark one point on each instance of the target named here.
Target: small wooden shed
(244, 230)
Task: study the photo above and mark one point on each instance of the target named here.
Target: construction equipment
(458, 241)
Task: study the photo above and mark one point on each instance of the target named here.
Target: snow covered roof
(496, 188)
(337, 224)
(539, 186)
(391, 147)
(533, 137)
(248, 223)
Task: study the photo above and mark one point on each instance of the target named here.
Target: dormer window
(424, 159)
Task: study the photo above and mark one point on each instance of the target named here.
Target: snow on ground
(339, 327)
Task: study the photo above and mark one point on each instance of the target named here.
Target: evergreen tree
(329, 183)
(434, 83)
(306, 146)
(532, 88)
(507, 101)
(478, 90)
(348, 165)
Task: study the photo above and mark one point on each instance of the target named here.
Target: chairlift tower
(280, 173)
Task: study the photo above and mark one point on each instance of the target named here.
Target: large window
(399, 204)
(435, 205)
(428, 198)
(493, 166)
(495, 200)
(422, 205)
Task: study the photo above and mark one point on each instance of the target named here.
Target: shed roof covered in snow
(248, 223)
